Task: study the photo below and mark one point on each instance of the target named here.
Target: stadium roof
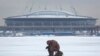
(49, 14)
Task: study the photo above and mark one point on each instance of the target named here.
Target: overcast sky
(19, 7)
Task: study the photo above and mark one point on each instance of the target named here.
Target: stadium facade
(50, 23)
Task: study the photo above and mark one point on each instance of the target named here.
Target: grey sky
(19, 7)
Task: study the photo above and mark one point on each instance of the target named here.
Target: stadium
(49, 23)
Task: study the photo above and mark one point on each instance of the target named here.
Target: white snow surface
(35, 45)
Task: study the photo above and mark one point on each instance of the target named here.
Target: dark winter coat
(59, 53)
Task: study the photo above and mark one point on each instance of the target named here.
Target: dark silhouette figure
(59, 53)
(52, 47)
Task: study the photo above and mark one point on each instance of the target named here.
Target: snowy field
(35, 46)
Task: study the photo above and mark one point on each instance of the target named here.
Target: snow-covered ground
(35, 45)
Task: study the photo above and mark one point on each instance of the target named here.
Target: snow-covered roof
(49, 14)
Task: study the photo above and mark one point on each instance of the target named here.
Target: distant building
(50, 23)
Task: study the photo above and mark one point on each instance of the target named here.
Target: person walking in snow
(52, 47)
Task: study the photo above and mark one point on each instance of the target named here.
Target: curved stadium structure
(50, 23)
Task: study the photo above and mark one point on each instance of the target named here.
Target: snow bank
(35, 45)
